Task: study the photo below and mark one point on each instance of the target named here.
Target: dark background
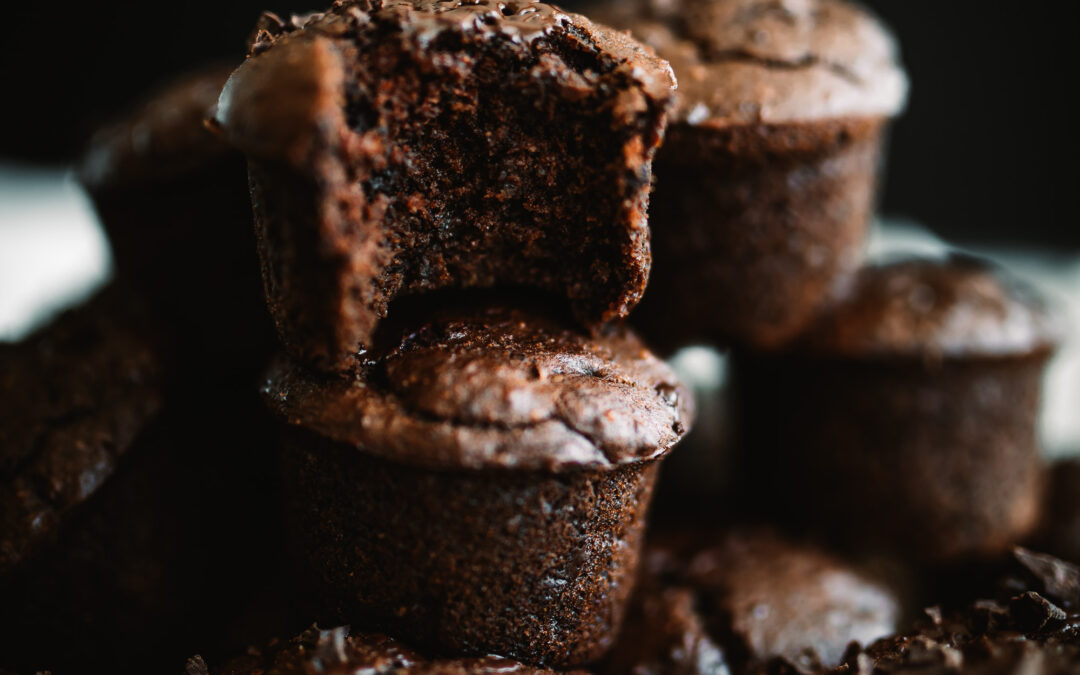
(983, 153)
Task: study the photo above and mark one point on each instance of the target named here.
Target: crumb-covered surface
(496, 388)
(403, 147)
(1033, 627)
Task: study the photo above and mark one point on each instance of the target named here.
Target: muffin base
(530, 565)
(930, 461)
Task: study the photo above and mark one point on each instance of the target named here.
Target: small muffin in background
(480, 485)
(767, 178)
(398, 148)
(905, 419)
(174, 201)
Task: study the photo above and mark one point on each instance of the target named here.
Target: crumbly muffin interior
(487, 164)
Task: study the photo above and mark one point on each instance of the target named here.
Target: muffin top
(495, 388)
(955, 307)
(335, 652)
(162, 137)
(75, 396)
(768, 61)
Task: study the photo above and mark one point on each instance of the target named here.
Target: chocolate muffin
(76, 396)
(1059, 532)
(81, 407)
(174, 201)
(766, 181)
(905, 418)
(480, 485)
(135, 519)
(745, 599)
(402, 146)
(335, 651)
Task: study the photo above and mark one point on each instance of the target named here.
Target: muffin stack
(448, 204)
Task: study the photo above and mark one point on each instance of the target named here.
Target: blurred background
(979, 158)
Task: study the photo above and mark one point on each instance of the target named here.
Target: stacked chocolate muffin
(469, 471)
(452, 463)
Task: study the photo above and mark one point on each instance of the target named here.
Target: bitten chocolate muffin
(905, 418)
(733, 602)
(401, 146)
(336, 652)
(480, 485)
(174, 201)
(766, 181)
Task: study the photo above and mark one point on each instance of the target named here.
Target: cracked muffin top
(768, 61)
(495, 388)
(958, 306)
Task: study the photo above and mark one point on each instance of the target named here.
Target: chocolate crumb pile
(379, 385)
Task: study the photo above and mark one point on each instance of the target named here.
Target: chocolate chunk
(1032, 612)
(1060, 579)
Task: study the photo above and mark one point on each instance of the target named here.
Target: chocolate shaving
(1060, 579)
